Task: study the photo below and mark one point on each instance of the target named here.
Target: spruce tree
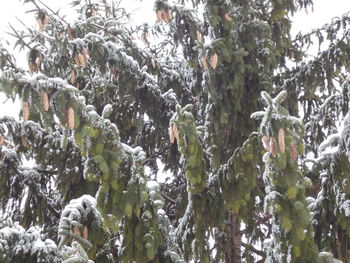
(253, 135)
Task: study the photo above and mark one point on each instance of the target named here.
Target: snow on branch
(16, 243)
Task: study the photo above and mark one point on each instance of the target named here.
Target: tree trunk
(233, 249)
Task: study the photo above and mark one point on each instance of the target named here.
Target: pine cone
(40, 61)
(72, 77)
(85, 233)
(165, 16)
(204, 62)
(171, 135)
(145, 38)
(41, 25)
(46, 20)
(76, 231)
(175, 132)
(30, 66)
(77, 60)
(281, 141)
(273, 146)
(70, 33)
(169, 15)
(6, 142)
(70, 114)
(25, 110)
(45, 100)
(199, 37)
(228, 18)
(25, 142)
(93, 12)
(214, 60)
(42, 22)
(266, 142)
(85, 53)
(293, 152)
(82, 60)
(159, 16)
(153, 63)
(33, 67)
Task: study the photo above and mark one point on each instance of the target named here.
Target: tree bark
(233, 249)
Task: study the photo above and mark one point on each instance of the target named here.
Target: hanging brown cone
(76, 231)
(204, 62)
(6, 142)
(25, 110)
(159, 16)
(266, 142)
(41, 25)
(171, 135)
(40, 61)
(165, 16)
(199, 37)
(70, 115)
(46, 20)
(30, 66)
(214, 61)
(25, 142)
(153, 63)
(77, 60)
(144, 38)
(273, 146)
(45, 100)
(85, 52)
(281, 140)
(85, 233)
(169, 15)
(82, 60)
(64, 120)
(72, 77)
(175, 132)
(228, 18)
(115, 73)
(293, 152)
(42, 22)
(33, 67)
(70, 33)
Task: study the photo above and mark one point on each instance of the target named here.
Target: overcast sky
(324, 11)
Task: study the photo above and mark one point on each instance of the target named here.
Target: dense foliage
(252, 133)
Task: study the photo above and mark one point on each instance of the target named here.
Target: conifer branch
(253, 249)
(53, 12)
(19, 37)
(168, 198)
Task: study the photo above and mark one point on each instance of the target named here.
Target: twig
(168, 198)
(55, 13)
(253, 249)
(19, 36)
(11, 63)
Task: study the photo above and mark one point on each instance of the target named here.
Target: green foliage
(190, 147)
(238, 177)
(82, 224)
(285, 199)
(19, 245)
(111, 101)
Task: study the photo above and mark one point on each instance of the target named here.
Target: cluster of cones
(173, 133)
(270, 145)
(164, 15)
(45, 100)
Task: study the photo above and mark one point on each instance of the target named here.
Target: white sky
(324, 11)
